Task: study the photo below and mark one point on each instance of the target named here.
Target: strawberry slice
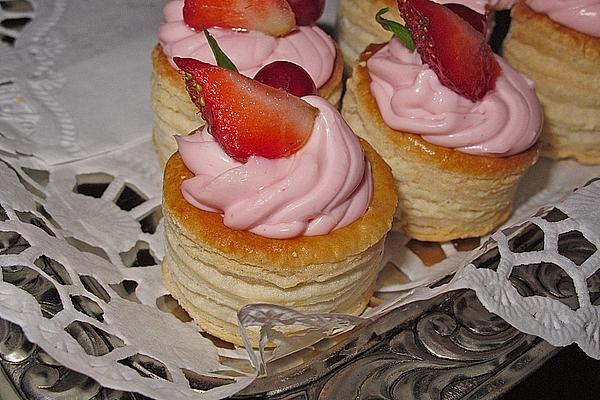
(247, 118)
(453, 49)
(476, 20)
(273, 17)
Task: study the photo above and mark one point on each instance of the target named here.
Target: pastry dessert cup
(565, 65)
(213, 270)
(444, 194)
(275, 201)
(174, 113)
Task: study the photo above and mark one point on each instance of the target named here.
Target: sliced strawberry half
(273, 17)
(247, 118)
(452, 48)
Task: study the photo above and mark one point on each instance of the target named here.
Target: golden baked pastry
(444, 194)
(565, 65)
(175, 114)
(357, 28)
(213, 270)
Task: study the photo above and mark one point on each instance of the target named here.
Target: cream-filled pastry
(250, 50)
(456, 158)
(304, 228)
(557, 44)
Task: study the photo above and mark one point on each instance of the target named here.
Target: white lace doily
(575, 219)
(80, 230)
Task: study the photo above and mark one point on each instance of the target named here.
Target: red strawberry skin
(247, 118)
(273, 17)
(452, 48)
(476, 20)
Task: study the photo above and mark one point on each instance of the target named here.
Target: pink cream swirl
(308, 46)
(580, 15)
(323, 186)
(411, 98)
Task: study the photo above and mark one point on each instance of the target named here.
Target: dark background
(569, 375)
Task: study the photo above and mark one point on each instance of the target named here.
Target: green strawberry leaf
(396, 28)
(220, 56)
